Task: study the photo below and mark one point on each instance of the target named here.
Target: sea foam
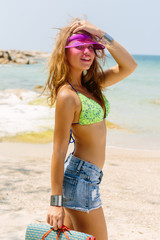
(17, 116)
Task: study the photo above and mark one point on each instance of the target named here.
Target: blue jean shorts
(81, 184)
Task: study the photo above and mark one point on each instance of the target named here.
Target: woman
(75, 82)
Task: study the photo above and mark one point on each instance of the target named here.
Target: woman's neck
(75, 78)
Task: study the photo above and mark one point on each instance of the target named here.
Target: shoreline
(134, 149)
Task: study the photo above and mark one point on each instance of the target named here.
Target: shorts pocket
(83, 193)
(69, 187)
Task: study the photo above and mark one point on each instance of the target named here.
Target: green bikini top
(92, 112)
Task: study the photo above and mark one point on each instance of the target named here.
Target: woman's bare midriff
(90, 142)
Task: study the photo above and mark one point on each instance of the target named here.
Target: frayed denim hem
(82, 209)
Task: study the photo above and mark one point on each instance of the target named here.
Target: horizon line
(134, 54)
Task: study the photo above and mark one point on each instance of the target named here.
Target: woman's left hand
(88, 27)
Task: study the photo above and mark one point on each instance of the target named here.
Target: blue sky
(28, 24)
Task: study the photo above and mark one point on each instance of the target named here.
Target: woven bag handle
(89, 238)
(63, 229)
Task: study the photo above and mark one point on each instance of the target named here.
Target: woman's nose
(86, 50)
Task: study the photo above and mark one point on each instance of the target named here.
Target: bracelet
(56, 200)
(107, 38)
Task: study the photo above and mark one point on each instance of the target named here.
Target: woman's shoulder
(66, 96)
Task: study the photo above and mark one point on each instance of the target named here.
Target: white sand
(130, 190)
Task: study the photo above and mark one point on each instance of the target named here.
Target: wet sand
(130, 190)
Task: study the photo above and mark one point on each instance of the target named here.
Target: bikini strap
(72, 87)
(72, 140)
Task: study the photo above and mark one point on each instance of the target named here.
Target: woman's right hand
(55, 217)
(88, 27)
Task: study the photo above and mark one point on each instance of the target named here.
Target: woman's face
(81, 58)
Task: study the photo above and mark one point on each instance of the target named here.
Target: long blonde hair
(59, 72)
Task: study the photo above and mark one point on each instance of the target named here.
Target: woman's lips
(86, 59)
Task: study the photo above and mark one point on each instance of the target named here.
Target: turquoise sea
(135, 103)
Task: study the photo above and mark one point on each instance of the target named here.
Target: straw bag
(46, 232)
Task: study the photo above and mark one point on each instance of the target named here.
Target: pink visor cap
(82, 39)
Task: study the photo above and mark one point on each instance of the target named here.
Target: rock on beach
(22, 57)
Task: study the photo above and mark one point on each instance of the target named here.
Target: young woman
(75, 81)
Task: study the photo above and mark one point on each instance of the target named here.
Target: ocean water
(135, 103)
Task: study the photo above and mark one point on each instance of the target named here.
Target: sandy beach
(130, 190)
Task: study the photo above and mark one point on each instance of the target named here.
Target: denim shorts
(81, 184)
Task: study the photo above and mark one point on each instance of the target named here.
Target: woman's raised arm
(126, 64)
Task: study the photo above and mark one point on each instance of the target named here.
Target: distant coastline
(22, 57)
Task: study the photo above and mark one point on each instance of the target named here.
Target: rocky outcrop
(38, 88)
(5, 57)
(22, 57)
